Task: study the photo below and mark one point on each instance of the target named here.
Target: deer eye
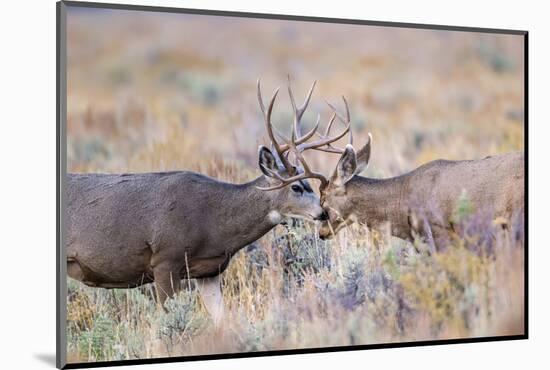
(296, 189)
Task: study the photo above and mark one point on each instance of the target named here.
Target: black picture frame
(61, 170)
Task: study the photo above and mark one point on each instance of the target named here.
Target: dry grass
(158, 96)
(291, 290)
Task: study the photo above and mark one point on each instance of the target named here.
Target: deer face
(334, 202)
(335, 199)
(299, 200)
(295, 199)
(292, 193)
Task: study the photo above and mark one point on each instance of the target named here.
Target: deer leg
(167, 281)
(419, 230)
(441, 238)
(211, 294)
(74, 270)
(428, 234)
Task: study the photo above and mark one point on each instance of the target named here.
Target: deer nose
(324, 233)
(322, 217)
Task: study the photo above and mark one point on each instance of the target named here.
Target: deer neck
(248, 213)
(380, 201)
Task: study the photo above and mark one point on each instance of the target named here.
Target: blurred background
(156, 91)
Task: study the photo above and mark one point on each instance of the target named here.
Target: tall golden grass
(290, 290)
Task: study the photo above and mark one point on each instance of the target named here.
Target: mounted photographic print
(236, 184)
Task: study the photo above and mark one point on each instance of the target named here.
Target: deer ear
(346, 167)
(267, 161)
(363, 156)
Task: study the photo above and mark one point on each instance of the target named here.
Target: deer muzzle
(325, 231)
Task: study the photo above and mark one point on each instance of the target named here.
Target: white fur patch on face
(274, 217)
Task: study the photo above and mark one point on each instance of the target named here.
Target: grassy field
(172, 92)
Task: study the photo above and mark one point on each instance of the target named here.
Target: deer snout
(325, 232)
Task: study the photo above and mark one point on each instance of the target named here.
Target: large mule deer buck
(419, 203)
(125, 230)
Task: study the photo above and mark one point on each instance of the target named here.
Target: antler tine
(328, 128)
(299, 112)
(309, 173)
(260, 99)
(285, 181)
(309, 134)
(348, 119)
(280, 149)
(330, 122)
(345, 120)
(325, 142)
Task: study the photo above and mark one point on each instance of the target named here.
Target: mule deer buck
(419, 203)
(125, 230)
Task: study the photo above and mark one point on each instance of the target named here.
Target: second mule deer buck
(125, 230)
(421, 202)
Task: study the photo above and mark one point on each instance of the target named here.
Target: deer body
(422, 202)
(131, 229)
(433, 191)
(125, 229)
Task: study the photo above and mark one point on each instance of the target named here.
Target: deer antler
(325, 142)
(299, 112)
(267, 117)
(298, 143)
